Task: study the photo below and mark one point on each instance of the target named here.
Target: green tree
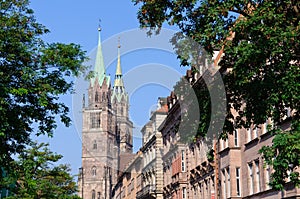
(35, 175)
(33, 74)
(260, 40)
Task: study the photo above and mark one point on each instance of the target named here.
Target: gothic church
(106, 131)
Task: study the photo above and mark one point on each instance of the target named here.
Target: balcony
(146, 192)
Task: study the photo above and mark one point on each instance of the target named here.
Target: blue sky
(149, 72)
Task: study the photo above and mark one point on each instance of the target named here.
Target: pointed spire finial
(119, 45)
(99, 25)
(118, 84)
(119, 70)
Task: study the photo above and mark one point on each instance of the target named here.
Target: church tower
(106, 131)
(120, 104)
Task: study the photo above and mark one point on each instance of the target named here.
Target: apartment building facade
(237, 169)
(226, 169)
(152, 181)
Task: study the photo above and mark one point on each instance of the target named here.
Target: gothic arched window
(94, 171)
(95, 120)
(96, 97)
(93, 194)
(122, 111)
(103, 96)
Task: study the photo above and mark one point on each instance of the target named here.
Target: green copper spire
(99, 68)
(99, 64)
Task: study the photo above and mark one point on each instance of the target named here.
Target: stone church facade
(106, 131)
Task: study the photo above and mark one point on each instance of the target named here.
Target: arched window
(122, 111)
(94, 171)
(95, 144)
(95, 120)
(93, 194)
(103, 96)
(96, 97)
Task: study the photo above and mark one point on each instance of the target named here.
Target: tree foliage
(33, 74)
(260, 41)
(35, 175)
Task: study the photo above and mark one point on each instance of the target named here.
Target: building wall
(130, 181)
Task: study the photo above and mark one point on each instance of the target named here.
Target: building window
(206, 183)
(267, 125)
(96, 97)
(132, 184)
(236, 139)
(264, 129)
(95, 144)
(268, 176)
(221, 142)
(226, 142)
(182, 161)
(94, 171)
(238, 185)
(103, 96)
(228, 182)
(93, 194)
(128, 189)
(255, 132)
(250, 178)
(213, 182)
(184, 193)
(249, 137)
(95, 120)
(257, 176)
(224, 183)
(98, 195)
